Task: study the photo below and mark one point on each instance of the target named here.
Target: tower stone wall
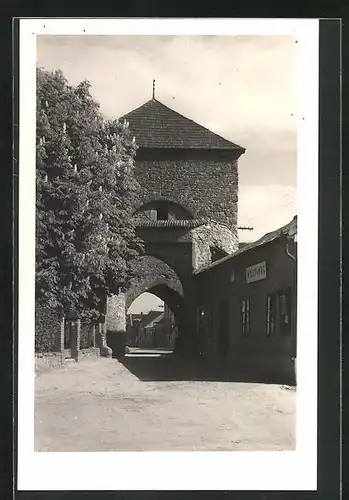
(206, 186)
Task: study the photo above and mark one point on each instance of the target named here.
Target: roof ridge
(199, 124)
(136, 109)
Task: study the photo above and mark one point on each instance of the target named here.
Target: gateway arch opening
(151, 324)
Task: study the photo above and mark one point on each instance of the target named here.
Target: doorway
(223, 333)
(67, 338)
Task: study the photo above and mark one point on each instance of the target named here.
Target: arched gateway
(187, 214)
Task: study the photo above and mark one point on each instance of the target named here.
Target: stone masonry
(206, 188)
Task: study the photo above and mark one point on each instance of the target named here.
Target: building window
(285, 312)
(271, 309)
(245, 316)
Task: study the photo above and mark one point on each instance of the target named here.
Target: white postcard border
(175, 470)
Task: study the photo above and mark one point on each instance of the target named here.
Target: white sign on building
(256, 272)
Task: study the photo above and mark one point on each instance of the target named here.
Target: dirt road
(105, 406)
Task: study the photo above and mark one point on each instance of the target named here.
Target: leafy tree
(86, 193)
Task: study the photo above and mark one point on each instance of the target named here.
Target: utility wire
(280, 207)
(275, 205)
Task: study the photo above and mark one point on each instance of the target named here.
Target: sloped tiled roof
(191, 223)
(289, 229)
(154, 321)
(149, 317)
(242, 245)
(154, 125)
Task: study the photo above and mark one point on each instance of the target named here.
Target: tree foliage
(86, 193)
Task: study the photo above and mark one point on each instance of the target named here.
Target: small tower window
(162, 212)
(153, 215)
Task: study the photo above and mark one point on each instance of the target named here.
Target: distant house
(152, 330)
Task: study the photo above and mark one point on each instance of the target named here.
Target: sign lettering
(256, 272)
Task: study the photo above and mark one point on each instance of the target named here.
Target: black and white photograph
(169, 301)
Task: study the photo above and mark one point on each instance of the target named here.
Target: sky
(241, 87)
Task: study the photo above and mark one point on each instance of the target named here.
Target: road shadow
(166, 366)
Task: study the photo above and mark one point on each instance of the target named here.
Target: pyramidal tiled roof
(154, 125)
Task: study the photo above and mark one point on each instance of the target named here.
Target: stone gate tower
(187, 215)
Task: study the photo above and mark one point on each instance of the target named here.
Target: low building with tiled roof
(247, 308)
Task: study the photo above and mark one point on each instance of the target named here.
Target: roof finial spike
(153, 89)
